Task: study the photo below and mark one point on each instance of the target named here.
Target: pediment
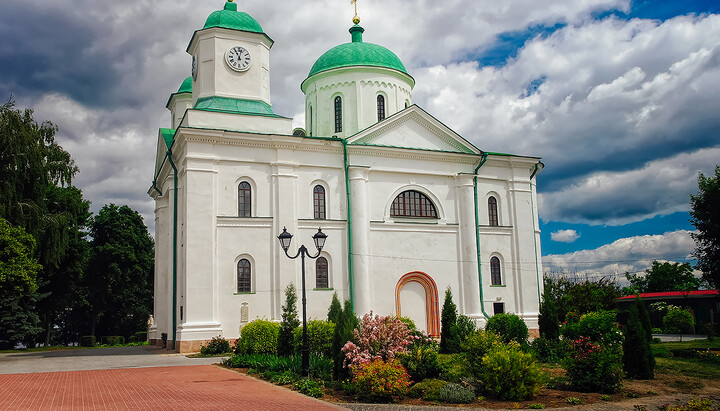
(414, 128)
(165, 141)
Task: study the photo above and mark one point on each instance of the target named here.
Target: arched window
(338, 114)
(244, 199)
(319, 202)
(412, 203)
(321, 273)
(381, 107)
(492, 211)
(244, 276)
(407, 104)
(495, 276)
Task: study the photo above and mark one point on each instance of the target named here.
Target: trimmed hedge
(87, 341)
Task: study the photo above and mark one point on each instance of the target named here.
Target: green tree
(448, 342)
(548, 321)
(638, 360)
(582, 296)
(678, 321)
(667, 276)
(120, 274)
(18, 283)
(289, 322)
(705, 217)
(346, 323)
(335, 309)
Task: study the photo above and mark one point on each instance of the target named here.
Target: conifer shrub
(289, 322)
(258, 337)
(381, 381)
(335, 309)
(455, 394)
(421, 361)
(593, 367)
(218, 345)
(549, 321)
(477, 346)
(448, 341)
(320, 337)
(343, 332)
(463, 328)
(511, 374)
(509, 327)
(638, 360)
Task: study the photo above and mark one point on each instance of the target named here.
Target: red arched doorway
(431, 299)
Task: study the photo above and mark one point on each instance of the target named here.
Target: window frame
(244, 199)
(493, 216)
(337, 101)
(319, 203)
(413, 203)
(322, 271)
(495, 271)
(246, 283)
(381, 108)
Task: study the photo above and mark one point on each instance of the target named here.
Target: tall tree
(638, 360)
(548, 321)
(667, 276)
(448, 342)
(18, 283)
(581, 295)
(706, 219)
(120, 275)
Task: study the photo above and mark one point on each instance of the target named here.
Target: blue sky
(619, 98)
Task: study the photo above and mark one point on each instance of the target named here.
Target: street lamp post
(319, 238)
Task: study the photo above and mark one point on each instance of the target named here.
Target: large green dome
(357, 53)
(230, 18)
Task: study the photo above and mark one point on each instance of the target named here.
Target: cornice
(414, 227)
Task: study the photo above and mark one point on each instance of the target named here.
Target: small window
(493, 211)
(499, 308)
(321, 273)
(381, 108)
(495, 276)
(244, 275)
(310, 122)
(244, 199)
(412, 203)
(338, 114)
(407, 104)
(319, 202)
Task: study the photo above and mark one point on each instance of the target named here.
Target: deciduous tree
(666, 276)
(704, 215)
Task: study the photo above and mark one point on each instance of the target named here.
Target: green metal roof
(236, 106)
(168, 134)
(230, 18)
(357, 53)
(186, 86)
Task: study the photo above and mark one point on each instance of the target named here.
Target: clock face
(194, 68)
(238, 58)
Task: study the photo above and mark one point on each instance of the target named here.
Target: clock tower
(230, 61)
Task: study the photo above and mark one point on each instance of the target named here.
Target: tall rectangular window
(381, 108)
(319, 202)
(338, 114)
(244, 199)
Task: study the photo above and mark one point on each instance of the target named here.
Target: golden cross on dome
(355, 19)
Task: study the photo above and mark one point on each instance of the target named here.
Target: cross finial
(355, 19)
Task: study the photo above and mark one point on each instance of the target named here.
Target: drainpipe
(539, 166)
(477, 233)
(349, 226)
(154, 185)
(174, 248)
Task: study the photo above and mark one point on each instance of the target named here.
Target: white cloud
(630, 254)
(565, 236)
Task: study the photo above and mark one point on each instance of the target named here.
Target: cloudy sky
(621, 98)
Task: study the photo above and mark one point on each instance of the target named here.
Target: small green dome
(357, 53)
(230, 18)
(186, 86)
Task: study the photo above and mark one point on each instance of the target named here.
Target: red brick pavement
(196, 387)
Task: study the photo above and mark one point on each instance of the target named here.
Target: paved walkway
(130, 379)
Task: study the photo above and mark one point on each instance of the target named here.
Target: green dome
(357, 53)
(230, 18)
(186, 86)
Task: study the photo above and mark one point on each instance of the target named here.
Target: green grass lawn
(691, 367)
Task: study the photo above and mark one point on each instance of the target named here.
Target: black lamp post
(319, 238)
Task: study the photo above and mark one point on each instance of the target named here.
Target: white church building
(409, 207)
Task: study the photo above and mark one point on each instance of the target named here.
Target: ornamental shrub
(335, 309)
(115, 340)
(320, 336)
(638, 360)
(455, 394)
(592, 367)
(549, 351)
(344, 330)
(511, 374)
(448, 341)
(218, 345)
(87, 341)
(477, 346)
(378, 338)
(463, 328)
(599, 326)
(548, 321)
(426, 389)
(421, 362)
(381, 381)
(678, 321)
(509, 327)
(289, 322)
(257, 337)
(309, 387)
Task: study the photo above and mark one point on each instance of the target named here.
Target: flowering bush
(598, 326)
(381, 381)
(379, 338)
(218, 345)
(593, 367)
(511, 374)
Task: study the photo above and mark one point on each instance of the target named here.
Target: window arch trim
(413, 203)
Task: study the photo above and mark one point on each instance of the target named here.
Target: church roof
(230, 18)
(186, 86)
(357, 53)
